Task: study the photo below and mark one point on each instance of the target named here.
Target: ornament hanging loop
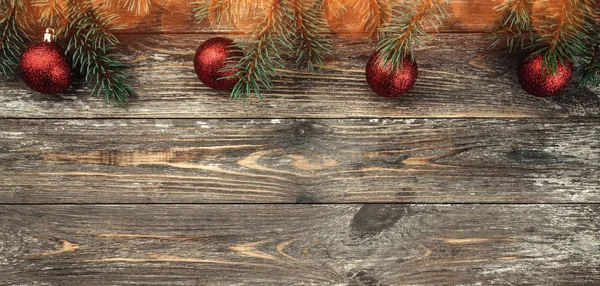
(49, 35)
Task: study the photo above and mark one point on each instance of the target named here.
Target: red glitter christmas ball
(45, 68)
(389, 81)
(210, 60)
(542, 83)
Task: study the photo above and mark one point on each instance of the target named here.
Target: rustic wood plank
(459, 77)
(334, 161)
(300, 245)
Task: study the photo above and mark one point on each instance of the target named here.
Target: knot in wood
(303, 130)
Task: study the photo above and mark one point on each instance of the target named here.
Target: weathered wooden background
(467, 180)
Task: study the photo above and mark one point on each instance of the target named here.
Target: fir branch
(589, 71)
(376, 14)
(135, 7)
(335, 8)
(53, 13)
(221, 8)
(310, 41)
(515, 27)
(410, 22)
(233, 11)
(113, 5)
(562, 33)
(93, 48)
(256, 68)
(138, 7)
(201, 9)
(13, 36)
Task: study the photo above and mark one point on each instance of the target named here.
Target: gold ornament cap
(49, 35)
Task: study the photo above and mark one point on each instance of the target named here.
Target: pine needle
(13, 36)
(138, 7)
(256, 68)
(230, 12)
(515, 26)
(562, 32)
(375, 14)
(93, 48)
(410, 22)
(589, 70)
(201, 9)
(335, 8)
(310, 41)
(53, 13)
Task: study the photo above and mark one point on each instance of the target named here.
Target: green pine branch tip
(410, 22)
(94, 52)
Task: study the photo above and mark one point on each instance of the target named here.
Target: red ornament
(389, 81)
(541, 83)
(210, 60)
(45, 68)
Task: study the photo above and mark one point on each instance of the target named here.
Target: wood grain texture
(370, 245)
(459, 77)
(75, 174)
(299, 161)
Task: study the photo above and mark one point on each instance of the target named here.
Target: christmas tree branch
(13, 36)
(561, 33)
(335, 7)
(375, 13)
(93, 47)
(139, 7)
(135, 7)
(233, 11)
(256, 68)
(53, 13)
(310, 41)
(225, 8)
(515, 27)
(589, 71)
(409, 22)
(201, 9)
